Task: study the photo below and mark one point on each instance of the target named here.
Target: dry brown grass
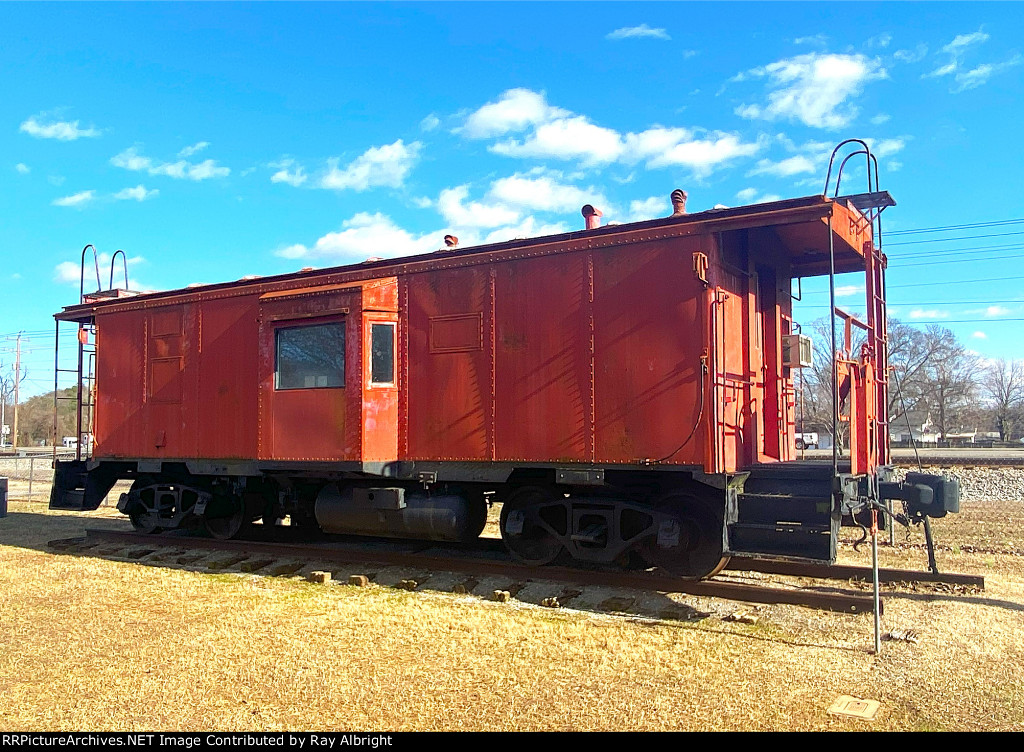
(95, 644)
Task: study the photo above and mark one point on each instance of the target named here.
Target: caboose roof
(800, 223)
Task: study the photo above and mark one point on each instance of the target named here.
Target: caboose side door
(310, 374)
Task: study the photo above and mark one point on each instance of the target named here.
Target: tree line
(934, 380)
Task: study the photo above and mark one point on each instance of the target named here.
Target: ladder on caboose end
(85, 392)
(71, 476)
(84, 397)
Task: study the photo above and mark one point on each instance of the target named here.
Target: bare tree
(1003, 383)
(950, 382)
(911, 351)
(935, 374)
(7, 380)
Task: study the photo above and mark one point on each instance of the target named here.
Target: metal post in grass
(874, 577)
(31, 472)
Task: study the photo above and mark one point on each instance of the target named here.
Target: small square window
(310, 357)
(382, 353)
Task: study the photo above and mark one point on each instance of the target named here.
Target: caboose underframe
(623, 393)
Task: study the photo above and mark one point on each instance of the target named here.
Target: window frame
(394, 356)
(287, 325)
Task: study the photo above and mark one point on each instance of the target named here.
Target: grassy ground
(88, 643)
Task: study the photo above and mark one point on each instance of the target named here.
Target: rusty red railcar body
(625, 392)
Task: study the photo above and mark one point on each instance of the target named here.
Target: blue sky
(216, 141)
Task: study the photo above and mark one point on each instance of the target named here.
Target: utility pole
(17, 381)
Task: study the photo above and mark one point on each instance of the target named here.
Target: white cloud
(60, 130)
(69, 272)
(515, 110)
(553, 133)
(363, 236)
(78, 199)
(975, 77)
(880, 118)
(430, 122)
(794, 165)
(188, 151)
(911, 56)
(886, 147)
(529, 227)
(22, 168)
(138, 193)
(996, 310)
(919, 313)
(749, 196)
(567, 138)
(130, 159)
(813, 88)
(649, 208)
(451, 204)
(542, 192)
(285, 174)
(846, 291)
(635, 32)
(701, 155)
(818, 39)
(880, 40)
(386, 165)
(979, 335)
(962, 41)
(963, 80)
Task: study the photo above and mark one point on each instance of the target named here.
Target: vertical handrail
(81, 279)
(56, 374)
(124, 261)
(869, 158)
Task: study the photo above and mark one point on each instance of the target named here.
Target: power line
(934, 284)
(961, 251)
(964, 237)
(957, 261)
(970, 226)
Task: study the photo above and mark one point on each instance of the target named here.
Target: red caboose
(625, 392)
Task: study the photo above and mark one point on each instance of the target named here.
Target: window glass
(382, 355)
(310, 357)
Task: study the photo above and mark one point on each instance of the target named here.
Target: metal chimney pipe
(678, 202)
(451, 242)
(592, 217)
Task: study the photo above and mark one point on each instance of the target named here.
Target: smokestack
(678, 202)
(592, 217)
(451, 242)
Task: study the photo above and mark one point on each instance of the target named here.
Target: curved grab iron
(81, 280)
(124, 261)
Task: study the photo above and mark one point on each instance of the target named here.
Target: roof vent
(678, 202)
(592, 217)
(451, 242)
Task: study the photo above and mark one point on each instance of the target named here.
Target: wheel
(689, 542)
(225, 516)
(144, 513)
(533, 522)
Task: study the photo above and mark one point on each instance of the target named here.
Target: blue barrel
(3, 497)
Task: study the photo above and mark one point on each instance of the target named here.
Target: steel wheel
(225, 516)
(144, 513)
(533, 523)
(689, 542)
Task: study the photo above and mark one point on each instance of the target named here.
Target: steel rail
(471, 563)
(845, 572)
